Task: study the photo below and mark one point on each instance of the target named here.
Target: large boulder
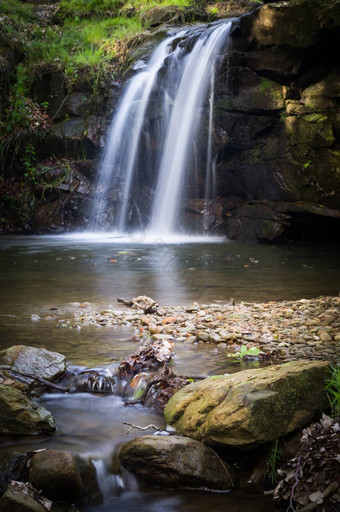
(252, 406)
(176, 462)
(20, 415)
(56, 474)
(39, 362)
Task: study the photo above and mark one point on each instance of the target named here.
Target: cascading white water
(184, 123)
(175, 85)
(124, 135)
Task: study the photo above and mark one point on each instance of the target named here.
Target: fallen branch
(131, 425)
(127, 303)
(291, 506)
(35, 377)
(331, 489)
(143, 302)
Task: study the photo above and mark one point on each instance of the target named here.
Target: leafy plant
(252, 352)
(273, 460)
(333, 389)
(29, 162)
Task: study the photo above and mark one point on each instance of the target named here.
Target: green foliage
(265, 84)
(74, 36)
(16, 115)
(273, 461)
(91, 43)
(87, 7)
(16, 9)
(252, 352)
(29, 163)
(144, 5)
(333, 389)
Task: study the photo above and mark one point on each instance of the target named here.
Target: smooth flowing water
(46, 275)
(162, 106)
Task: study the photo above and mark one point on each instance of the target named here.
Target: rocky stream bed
(214, 419)
(284, 330)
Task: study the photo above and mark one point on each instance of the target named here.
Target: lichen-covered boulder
(56, 474)
(252, 406)
(176, 462)
(20, 415)
(39, 362)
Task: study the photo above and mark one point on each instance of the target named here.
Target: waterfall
(150, 161)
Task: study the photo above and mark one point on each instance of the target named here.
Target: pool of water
(45, 275)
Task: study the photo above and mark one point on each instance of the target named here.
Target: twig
(291, 507)
(35, 377)
(131, 425)
(195, 377)
(332, 488)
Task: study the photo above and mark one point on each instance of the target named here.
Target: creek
(50, 276)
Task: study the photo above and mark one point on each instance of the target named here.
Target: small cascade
(98, 380)
(109, 484)
(150, 165)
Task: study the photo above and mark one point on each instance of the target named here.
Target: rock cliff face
(276, 134)
(277, 121)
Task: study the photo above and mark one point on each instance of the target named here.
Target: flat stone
(35, 361)
(175, 461)
(215, 338)
(203, 336)
(324, 336)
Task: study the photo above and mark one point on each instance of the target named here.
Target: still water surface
(40, 273)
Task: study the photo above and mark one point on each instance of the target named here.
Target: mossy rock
(252, 406)
(241, 89)
(314, 129)
(297, 24)
(20, 415)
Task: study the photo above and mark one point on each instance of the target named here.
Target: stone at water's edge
(20, 497)
(20, 415)
(176, 462)
(252, 406)
(56, 474)
(35, 361)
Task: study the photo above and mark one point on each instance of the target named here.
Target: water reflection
(38, 270)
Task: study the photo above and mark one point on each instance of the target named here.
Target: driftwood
(131, 425)
(143, 302)
(35, 377)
